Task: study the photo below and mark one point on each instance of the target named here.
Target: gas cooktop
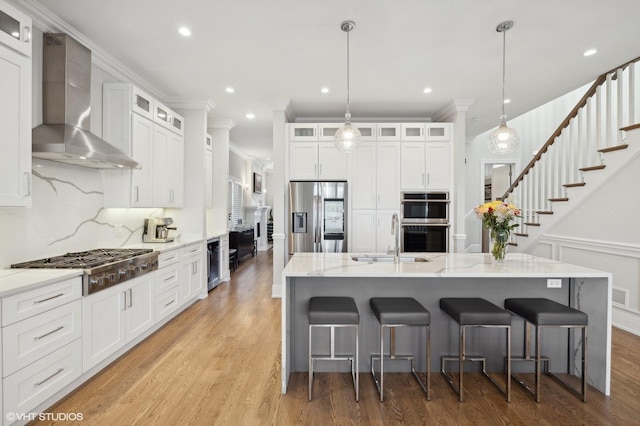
(84, 259)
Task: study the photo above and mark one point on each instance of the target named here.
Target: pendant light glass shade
(503, 140)
(347, 137)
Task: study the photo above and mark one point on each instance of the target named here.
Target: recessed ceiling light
(185, 31)
(590, 52)
(507, 101)
(229, 90)
(250, 116)
(325, 90)
(427, 90)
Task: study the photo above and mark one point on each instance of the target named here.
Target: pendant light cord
(504, 54)
(348, 113)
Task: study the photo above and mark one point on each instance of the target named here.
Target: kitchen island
(446, 275)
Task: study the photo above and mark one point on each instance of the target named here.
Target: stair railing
(594, 126)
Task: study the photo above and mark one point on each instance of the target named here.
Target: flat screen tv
(257, 183)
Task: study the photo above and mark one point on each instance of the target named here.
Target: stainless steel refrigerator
(317, 217)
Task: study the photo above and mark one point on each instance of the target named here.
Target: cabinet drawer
(29, 340)
(168, 257)
(191, 250)
(24, 305)
(31, 386)
(167, 277)
(166, 303)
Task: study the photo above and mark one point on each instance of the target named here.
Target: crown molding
(192, 103)
(221, 123)
(233, 148)
(283, 105)
(453, 107)
(48, 22)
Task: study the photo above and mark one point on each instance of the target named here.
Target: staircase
(597, 139)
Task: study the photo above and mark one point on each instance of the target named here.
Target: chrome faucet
(395, 230)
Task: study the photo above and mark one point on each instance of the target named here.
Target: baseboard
(626, 320)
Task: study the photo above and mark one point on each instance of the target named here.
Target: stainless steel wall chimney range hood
(66, 98)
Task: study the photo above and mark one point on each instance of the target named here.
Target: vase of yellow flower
(498, 217)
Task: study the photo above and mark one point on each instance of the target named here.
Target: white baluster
(634, 91)
(608, 110)
(599, 138)
(620, 109)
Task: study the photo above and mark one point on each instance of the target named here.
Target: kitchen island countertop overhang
(446, 275)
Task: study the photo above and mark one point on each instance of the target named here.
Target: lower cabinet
(115, 316)
(41, 345)
(191, 272)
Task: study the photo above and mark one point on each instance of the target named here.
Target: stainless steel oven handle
(425, 225)
(423, 201)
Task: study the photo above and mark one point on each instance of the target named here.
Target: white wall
(534, 128)
(67, 213)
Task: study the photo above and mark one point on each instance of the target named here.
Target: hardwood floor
(218, 363)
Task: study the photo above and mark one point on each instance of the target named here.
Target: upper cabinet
(15, 107)
(152, 134)
(326, 131)
(316, 161)
(15, 29)
(303, 132)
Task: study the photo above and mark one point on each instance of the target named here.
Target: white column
(279, 188)
(456, 114)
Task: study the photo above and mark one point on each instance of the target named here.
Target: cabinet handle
(124, 306)
(47, 334)
(320, 170)
(170, 303)
(49, 298)
(130, 298)
(27, 34)
(423, 178)
(60, 370)
(427, 179)
(170, 278)
(137, 193)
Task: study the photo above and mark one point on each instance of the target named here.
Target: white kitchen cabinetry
(15, 29)
(115, 316)
(371, 231)
(192, 274)
(425, 165)
(327, 131)
(437, 132)
(15, 107)
(208, 167)
(375, 169)
(167, 298)
(153, 135)
(413, 132)
(389, 131)
(41, 344)
(317, 161)
(303, 132)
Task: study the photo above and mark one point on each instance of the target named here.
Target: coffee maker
(156, 230)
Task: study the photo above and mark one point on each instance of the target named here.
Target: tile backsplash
(67, 215)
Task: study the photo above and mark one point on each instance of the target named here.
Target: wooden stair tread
(633, 126)
(511, 243)
(558, 199)
(532, 224)
(613, 148)
(520, 234)
(544, 212)
(591, 168)
(573, 185)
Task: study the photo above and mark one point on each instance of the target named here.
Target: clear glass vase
(499, 244)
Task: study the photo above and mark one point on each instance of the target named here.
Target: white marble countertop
(19, 280)
(461, 265)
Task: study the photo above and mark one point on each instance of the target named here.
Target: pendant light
(348, 137)
(503, 140)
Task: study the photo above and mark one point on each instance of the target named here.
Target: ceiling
(279, 51)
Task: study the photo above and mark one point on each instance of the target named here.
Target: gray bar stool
(476, 312)
(393, 312)
(334, 312)
(544, 313)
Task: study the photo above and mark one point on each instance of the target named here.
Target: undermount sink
(403, 259)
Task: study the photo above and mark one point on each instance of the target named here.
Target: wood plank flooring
(218, 363)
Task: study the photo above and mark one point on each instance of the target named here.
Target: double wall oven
(425, 222)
